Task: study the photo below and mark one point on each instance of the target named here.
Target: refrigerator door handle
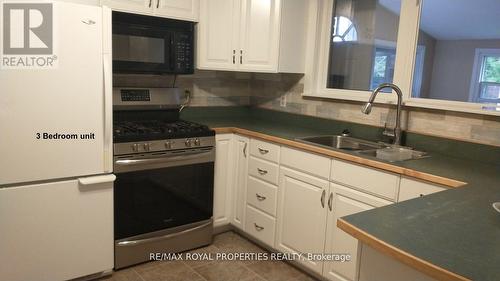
(96, 180)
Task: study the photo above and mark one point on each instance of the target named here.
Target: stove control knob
(188, 142)
(168, 145)
(135, 147)
(147, 147)
(197, 142)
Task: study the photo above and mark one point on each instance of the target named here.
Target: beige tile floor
(228, 242)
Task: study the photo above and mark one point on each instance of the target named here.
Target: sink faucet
(367, 108)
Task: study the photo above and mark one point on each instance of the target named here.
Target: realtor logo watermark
(28, 36)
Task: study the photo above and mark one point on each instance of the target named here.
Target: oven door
(159, 191)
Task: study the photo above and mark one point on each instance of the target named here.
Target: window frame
(475, 87)
(320, 14)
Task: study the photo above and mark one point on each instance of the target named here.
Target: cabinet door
(218, 35)
(240, 174)
(222, 179)
(134, 6)
(344, 201)
(178, 9)
(301, 215)
(57, 231)
(259, 35)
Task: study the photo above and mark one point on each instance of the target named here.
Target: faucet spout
(367, 108)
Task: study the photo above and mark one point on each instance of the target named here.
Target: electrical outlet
(283, 101)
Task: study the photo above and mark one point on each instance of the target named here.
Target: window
(343, 30)
(356, 60)
(485, 85)
(383, 67)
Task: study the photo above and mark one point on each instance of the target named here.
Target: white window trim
(320, 16)
(476, 72)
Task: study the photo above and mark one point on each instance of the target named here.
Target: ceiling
(457, 19)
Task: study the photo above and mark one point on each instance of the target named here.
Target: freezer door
(57, 231)
(69, 100)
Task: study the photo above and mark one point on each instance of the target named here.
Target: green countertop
(457, 230)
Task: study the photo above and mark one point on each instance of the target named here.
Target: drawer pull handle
(263, 151)
(262, 172)
(258, 227)
(323, 198)
(260, 197)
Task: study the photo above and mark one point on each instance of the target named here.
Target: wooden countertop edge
(406, 258)
(344, 156)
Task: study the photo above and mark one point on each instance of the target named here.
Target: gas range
(154, 135)
(164, 167)
(146, 121)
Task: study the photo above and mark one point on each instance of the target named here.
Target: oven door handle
(160, 160)
(153, 239)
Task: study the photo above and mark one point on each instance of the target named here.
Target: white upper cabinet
(217, 35)
(177, 9)
(259, 30)
(134, 6)
(252, 35)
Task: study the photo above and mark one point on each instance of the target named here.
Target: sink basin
(342, 142)
(394, 154)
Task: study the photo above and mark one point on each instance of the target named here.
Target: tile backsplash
(283, 92)
(208, 88)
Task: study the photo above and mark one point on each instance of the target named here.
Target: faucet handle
(389, 132)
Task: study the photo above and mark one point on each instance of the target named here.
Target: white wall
(453, 66)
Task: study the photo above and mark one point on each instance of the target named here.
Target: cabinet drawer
(261, 195)
(410, 189)
(263, 170)
(265, 150)
(370, 180)
(306, 162)
(260, 225)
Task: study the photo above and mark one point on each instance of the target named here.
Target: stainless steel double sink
(377, 150)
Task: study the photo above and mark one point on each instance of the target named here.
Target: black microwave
(147, 44)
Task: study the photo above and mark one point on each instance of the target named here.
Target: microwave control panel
(183, 52)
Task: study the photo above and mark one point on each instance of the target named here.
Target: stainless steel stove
(163, 196)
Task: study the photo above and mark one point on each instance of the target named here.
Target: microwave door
(139, 50)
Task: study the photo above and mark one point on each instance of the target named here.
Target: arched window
(344, 30)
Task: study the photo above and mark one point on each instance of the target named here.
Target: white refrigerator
(56, 181)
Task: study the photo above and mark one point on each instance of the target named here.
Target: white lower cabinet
(344, 201)
(57, 231)
(223, 179)
(239, 181)
(410, 188)
(301, 219)
(291, 200)
(260, 225)
(375, 265)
